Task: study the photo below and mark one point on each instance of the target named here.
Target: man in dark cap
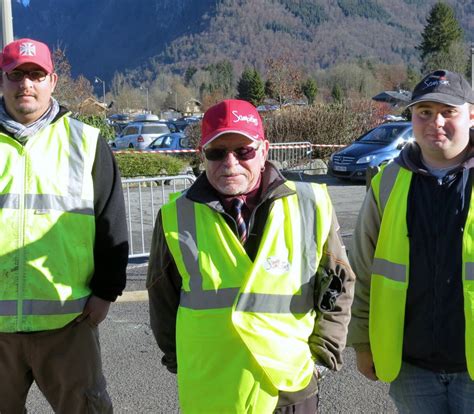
(413, 253)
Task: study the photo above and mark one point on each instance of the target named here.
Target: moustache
(19, 95)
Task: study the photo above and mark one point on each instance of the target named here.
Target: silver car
(140, 134)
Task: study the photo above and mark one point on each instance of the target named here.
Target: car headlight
(365, 160)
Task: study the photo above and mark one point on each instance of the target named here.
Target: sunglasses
(19, 75)
(242, 153)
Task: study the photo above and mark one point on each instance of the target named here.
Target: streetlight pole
(147, 100)
(7, 23)
(472, 66)
(97, 80)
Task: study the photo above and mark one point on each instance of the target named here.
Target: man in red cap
(249, 286)
(63, 249)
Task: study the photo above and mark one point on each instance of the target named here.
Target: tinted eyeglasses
(33, 75)
(242, 153)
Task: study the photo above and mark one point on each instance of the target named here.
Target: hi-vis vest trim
(260, 312)
(47, 202)
(42, 307)
(393, 271)
(469, 271)
(390, 271)
(48, 226)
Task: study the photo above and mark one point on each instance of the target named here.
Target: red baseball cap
(26, 51)
(231, 116)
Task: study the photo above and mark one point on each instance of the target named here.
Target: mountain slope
(104, 36)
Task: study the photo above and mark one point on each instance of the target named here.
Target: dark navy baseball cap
(445, 87)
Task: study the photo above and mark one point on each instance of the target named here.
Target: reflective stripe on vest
(48, 224)
(470, 271)
(48, 202)
(390, 271)
(42, 307)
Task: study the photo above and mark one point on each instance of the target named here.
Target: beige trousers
(65, 364)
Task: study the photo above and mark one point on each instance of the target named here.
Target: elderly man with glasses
(63, 248)
(249, 286)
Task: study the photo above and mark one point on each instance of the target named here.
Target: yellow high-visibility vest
(243, 326)
(390, 271)
(48, 226)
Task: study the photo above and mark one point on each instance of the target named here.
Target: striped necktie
(237, 204)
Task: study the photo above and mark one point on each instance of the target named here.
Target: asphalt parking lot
(138, 383)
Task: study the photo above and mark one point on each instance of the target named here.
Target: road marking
(134, 296)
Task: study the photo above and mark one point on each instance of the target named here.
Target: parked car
(140, 134)
(374, 148)
(118, 122)
(173, 141)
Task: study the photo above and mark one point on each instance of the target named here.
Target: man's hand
(96, 310)
(365, 365)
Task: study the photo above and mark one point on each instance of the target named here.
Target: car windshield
(384, 134)
(155, 129)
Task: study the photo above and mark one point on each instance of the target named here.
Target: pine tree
(337, 93)
(310, 89)
(250, 87)
(442, 41)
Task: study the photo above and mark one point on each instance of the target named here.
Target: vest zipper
(21, 242)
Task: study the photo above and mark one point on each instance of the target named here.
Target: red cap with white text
(231, 116)
(26, 51)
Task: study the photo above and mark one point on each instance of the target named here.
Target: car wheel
(130, 145)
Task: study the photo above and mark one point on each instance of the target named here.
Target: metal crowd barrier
(290, 155)
(143, 199)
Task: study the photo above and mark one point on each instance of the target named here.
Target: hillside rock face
(102, 37)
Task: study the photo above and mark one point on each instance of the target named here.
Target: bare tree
(284, 77)
(69, 91)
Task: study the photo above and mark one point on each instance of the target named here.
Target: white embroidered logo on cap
(27, 49)
(250, 119)
(435, 81)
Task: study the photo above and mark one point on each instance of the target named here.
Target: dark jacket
(437, 209)
(164, 281)
(111, 238)
(434, 331)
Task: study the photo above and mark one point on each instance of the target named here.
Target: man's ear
(54, 81)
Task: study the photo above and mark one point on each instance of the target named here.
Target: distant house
(192, 107)
(91, 106)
